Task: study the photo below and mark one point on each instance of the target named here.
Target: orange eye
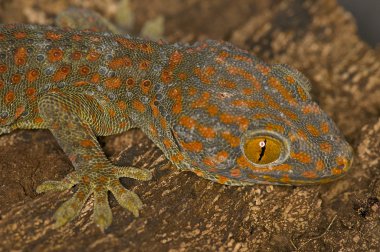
(264, 148)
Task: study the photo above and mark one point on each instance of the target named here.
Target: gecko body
(210, 107)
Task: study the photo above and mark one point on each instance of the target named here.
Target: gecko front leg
(70, 117)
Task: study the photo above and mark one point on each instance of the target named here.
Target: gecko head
(247, 122)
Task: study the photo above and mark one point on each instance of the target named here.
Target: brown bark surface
(183, 212)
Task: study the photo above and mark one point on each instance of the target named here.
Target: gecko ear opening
(263, 148)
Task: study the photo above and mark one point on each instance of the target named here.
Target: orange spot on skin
(226, 83)
(138, 105)
(263, 69)
(93, 55)
(271, 102)
(177, 158)
(209, 161)
(19, 111)
(212, 110)
(76, 37)
(163, 123)
(325, 127)
(120, 62)
(146, 86)
(177, 107)
(122, 105)
(32, 75)
(20, 35)
(111, 112)
(275, 127)
(166, 76)
(55, 55)
(312, 130)
(290, 79)
(232, 140)
(235, 172)
(192, 91)
(76, 55)
(20, 56)
(84, 70)
(182, 76)
(247, 91)
(302, 134)
(276, 84)
(205, 74)
(53, 36)
(222, 56)
(38, 120)
(336, 171)
(301, 157)
(246, 75)
(30, 92)
(130, 44)
(242, 58)
(167, 143)
(319, 165)
(326, 147)
(309, 174)
(193, 146)
(175, 59)
(243, 162)
(282, 167)
(221, 156)
(222, 179)
(3, 68)
(16, 78)
(130, 83)
(144, 65)
(61, 73)
(95, 78)
(9, 97)
(80, 83)
(174, 93)
(202, 102)
(153, 130)
(187, 122)
(248, 103)
(285, 178)
(199, 173)
(206, 132)
(290, 114)
(310, 109)
(113, 83)
(145, 47)
(87, 143)
(301, 93)
(227, 118)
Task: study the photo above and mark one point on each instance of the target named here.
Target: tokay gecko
(210, 107)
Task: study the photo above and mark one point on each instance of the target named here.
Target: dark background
(367, 15)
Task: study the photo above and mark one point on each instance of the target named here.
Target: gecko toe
(102, 211)
(132, 172)
(71, 208)
(69, 181)
(127, 199)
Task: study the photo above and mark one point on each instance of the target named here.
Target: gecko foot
(98, 182)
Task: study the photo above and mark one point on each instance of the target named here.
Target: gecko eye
(264, 147)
